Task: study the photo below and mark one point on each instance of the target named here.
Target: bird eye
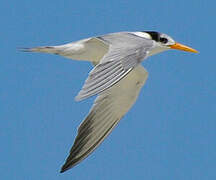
(163, 40)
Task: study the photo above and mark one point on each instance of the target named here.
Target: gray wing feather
(123, 55)
(102, 78)
(109, 107)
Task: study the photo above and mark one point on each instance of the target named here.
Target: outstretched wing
(109, 107)
(126, 51)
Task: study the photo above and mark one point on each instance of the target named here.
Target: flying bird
(117, 78)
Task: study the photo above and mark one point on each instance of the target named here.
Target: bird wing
(125, 52)
(108, 108)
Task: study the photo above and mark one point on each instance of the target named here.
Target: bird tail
(42, 49)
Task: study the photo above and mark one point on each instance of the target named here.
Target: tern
(117, 78)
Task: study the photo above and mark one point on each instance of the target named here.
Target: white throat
(157, 49)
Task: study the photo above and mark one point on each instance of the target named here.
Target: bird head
(164, 42)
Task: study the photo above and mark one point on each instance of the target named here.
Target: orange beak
(182, 47)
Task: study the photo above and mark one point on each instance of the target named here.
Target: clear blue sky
(170, 133)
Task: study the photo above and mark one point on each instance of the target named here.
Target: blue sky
(169, 133)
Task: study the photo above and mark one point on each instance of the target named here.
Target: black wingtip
(69, 164)
(64, 168)
(61, 171)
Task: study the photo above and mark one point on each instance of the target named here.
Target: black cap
(154, 35)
